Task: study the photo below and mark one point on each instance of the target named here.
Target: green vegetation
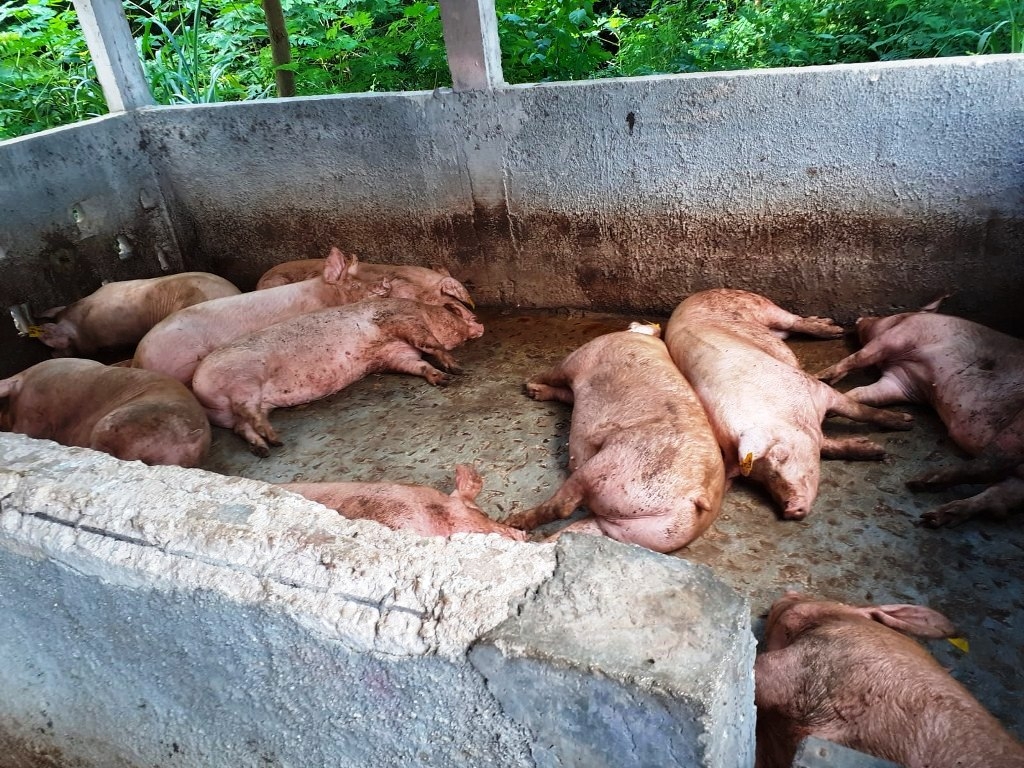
(216, 50)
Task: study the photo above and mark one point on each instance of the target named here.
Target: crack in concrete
(381, 606)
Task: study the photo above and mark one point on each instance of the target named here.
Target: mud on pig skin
(849, 675)
(176, 345)
(127, 413)
(642, 456)
(765, 411)
(973, 377)
(416, 508)
(120, 313)
(318, 354)
(431, 286)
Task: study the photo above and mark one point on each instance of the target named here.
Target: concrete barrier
(834, 190)
(161, 616)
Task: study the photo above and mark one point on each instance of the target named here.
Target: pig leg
(558, 507)
(408, 360)
(553, 384)
(886, 391)
(839, 404)
(778, 319)
(821, 327)
(855, 448)
(977, 471)
(999, 501)
(425, 341)
(252, 424)
(875, 352)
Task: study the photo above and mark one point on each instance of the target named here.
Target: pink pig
(643, 458)
(973, 377)
(317, 354)
(176, 345)
(431, 286)
(127, 413)
(850, 675)
(417, 508)
(120, 313)
(766, 412)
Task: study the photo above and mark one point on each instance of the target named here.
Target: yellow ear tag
(747, 464)
(960, 643)
(657, 325)
(35, 331)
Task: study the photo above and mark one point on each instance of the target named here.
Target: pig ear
(452, 287)
(468, 482)
(51, 313)
(381, 289)
(933, 305)
(911, 619)
(334, 267)
(53, 336)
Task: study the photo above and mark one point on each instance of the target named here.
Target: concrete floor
(861, 543)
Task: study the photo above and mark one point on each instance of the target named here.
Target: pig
(642, 456)
(120, 313)
(317, 354)
(431, 286)
(128, 413)
(176, 345)
(849, 674)
(765, 411)
(417, 508)
(973, 377)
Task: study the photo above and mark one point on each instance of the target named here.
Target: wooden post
(112, 48)
(280, 50)
(471, 39)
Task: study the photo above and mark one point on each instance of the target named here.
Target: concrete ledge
(626, 661)
(169, 616)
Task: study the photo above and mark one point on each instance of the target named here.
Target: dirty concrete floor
(861, 542)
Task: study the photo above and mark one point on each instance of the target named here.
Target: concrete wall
(160, 616)
(79, 206)
(834, 190)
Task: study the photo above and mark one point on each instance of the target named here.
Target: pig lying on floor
(418, 283)
(120, 313)
(317, 354)
(417, 508)
(973, 377)
(849, 675)
(176, 345)
(642, 455)
(765, 411)
(127, 413)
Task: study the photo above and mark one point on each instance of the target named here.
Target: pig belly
(226, 385)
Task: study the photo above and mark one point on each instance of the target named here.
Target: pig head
(851, 675)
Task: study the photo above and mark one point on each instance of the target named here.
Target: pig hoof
(951, 514)
(934, 519)
(922, 483)
(824, 326)
(260, 450)
(441, 380)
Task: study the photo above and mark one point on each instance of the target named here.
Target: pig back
(972, 375)
(871, 688)
(633, 405)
